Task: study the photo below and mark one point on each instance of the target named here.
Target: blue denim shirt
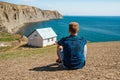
(73, 49)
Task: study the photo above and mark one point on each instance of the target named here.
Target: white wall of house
(49, 41)
(35, 40)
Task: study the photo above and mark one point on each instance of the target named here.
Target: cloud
(30, 0)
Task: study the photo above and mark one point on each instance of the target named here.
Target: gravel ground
(103, 63)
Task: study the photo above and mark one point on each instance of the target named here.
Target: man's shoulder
(77, 38)
(64, 38)
(84, 40)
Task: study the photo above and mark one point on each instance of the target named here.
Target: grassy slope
(7, 53)
(26, 52)
(6, 37)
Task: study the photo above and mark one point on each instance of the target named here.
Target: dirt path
(103, 63)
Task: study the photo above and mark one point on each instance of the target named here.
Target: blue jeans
(61, 54)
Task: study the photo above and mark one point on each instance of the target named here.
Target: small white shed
(42, 37)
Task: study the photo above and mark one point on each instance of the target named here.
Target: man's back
(73, 50)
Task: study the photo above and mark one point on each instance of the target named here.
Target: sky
(75, 7)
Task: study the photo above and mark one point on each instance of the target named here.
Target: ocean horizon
(93, 28)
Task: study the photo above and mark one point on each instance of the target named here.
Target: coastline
(93, 29)
(24, 25)
(103, 42)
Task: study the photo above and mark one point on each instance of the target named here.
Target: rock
(13, 17)
(24, 39)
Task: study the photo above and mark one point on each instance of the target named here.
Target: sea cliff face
(13, 17)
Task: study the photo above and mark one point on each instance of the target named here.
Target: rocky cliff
(13, 17)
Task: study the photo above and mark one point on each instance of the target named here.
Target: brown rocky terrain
(13, 17)
(103, 63)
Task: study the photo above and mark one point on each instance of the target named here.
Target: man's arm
(59, 48)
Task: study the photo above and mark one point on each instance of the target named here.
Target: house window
(35, 35)
(53, 39)
(48, 40)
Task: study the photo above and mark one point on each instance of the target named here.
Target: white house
(42, 37)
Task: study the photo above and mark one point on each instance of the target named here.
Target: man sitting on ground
(72, 50)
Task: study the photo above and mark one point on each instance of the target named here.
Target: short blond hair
(74, 27)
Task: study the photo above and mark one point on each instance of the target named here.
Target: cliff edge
(13, 17)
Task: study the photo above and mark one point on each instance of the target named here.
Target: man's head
(73, 28)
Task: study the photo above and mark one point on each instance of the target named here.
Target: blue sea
(93, 28)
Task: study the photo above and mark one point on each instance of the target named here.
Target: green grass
(26, 52)
(7, 53)
(4, 48)
(5, 37)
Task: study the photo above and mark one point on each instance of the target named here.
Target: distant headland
(13, 17)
